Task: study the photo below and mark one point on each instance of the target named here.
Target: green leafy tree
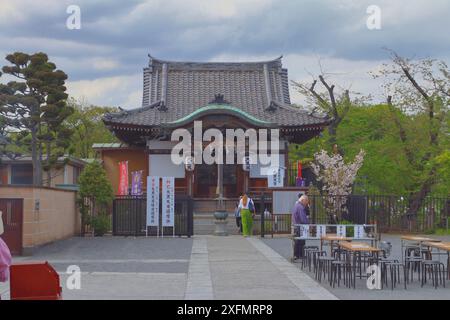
(95, 184)
(421, 88)
(386, 169)
(35, 105)
(88, 128)
(95, 196)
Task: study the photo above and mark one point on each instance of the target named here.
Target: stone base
(221, 228)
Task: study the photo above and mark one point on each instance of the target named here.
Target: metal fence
(390, 213)
(130, 217)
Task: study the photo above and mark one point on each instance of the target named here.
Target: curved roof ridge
(215, 62)
(295, 109)
(226, 108)
(131, 111)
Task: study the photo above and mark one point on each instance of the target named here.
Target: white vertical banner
(168, 201)
(321, 231)
(152, 201)
(359, 231)
(341, 230)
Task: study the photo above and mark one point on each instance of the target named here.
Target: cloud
(116, 36)
(111, 91)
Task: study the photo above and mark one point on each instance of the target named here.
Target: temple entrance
(205, 181)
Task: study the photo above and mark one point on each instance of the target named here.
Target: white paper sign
(153, 201)
(276, 180)
(168, 201)
(341, 230)
(304, 231)
(359, 232)
(321, 231)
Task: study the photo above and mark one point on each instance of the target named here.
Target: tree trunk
(49, 173)
(417, 198)
(332, 133)
(37, 165)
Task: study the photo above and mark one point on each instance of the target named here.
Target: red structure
(34, 281)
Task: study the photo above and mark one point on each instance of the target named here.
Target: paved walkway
(235, 268)
(205, 267)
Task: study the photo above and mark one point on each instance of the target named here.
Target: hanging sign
(341, 230)
(359, 231)
(123, 178)
(153, 201)
(275, 178)
(321, 231)
(136, 183)
(168, 201)
(304, 231)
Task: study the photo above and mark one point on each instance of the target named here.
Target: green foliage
(442, 232)
(101, 224)
(95, 185)
(386, 169)
(349, 231)
(34, 104)
(88, 127)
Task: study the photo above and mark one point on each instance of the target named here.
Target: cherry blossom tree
(337, 178)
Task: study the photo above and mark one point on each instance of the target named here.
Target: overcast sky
(104, 59)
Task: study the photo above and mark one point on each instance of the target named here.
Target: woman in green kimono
(247, 209)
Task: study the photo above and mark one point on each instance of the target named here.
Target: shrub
(95, 195)
(101, 224)
(350, 231)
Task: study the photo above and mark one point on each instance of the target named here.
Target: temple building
(221, 95)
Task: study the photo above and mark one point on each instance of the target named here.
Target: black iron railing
(130, 217)
(390, 213)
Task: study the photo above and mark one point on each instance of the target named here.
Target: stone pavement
(414, 290)
(205, 267)
(241, 269)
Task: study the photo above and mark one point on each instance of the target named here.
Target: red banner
(299, 169)
(123, 178)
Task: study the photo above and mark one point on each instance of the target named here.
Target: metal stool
(394, 271)
(324, 267)
(309, 257)
(413, 264)
(314, 257)
(382, 264)
(306, 255)
(339, 269)
(436, 270)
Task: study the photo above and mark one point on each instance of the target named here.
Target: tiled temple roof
(174, 90)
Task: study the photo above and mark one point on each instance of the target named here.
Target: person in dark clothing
(299, 216)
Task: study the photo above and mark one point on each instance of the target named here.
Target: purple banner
(136, 183)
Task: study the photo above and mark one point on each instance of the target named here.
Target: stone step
(204, 224)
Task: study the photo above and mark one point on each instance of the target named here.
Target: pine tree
(35, 105)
